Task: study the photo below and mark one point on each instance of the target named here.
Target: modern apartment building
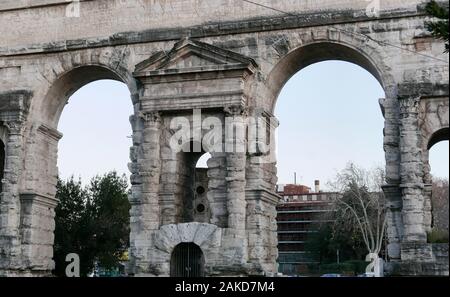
(300, 213)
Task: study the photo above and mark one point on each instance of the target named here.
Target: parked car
(367, 274)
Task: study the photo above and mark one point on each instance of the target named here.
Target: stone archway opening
(91, 106)
(57, 96)
(310, 54)
(103, 135)
(93, 147)
(438, 151)
(329, 112)
(187, 260)
(331, 105)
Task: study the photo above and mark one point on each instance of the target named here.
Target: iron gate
(187, 261)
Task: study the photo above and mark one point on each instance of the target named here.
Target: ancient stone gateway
(229, 58)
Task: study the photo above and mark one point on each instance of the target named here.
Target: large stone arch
(435, 212)
(327, 44)
(38, 187)
(65, 73)
(344, 46)
(69, 82)
(206, 236)
(430, 139)
(232, 64)
(438, 136)
(434, 127)
(433, 120)
(316, 52)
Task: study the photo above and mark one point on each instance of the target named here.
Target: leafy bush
(438, 236)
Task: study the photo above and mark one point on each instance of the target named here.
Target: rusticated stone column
(145, 210)
(38, 201)
(10, 246)
(392, 192)
(411, 171)
(235, 148)
(428, 189)
(394, 227)
(261, 176)
(14, 108)
(217, 184)
(234, 252)
(428, 207)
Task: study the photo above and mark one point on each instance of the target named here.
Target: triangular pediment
(192, 56)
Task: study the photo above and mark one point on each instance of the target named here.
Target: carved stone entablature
(263, 195)
(194, 75)
(14, 105)
(423, 90)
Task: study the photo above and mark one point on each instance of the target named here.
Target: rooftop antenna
(295, 178)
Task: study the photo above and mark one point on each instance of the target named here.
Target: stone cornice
(40, 199)
(22, 4)
(262, 194)
(208, 30)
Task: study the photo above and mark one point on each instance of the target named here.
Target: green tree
(329, 239)
(439, 27)
(109, 207)
(72, 226)
(92, 221)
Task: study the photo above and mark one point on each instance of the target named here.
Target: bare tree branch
(361, 196)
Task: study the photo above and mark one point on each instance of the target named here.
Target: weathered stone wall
(48, 23)
(234, 64)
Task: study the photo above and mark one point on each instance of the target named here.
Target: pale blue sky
(96, 127)
(329, 115)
